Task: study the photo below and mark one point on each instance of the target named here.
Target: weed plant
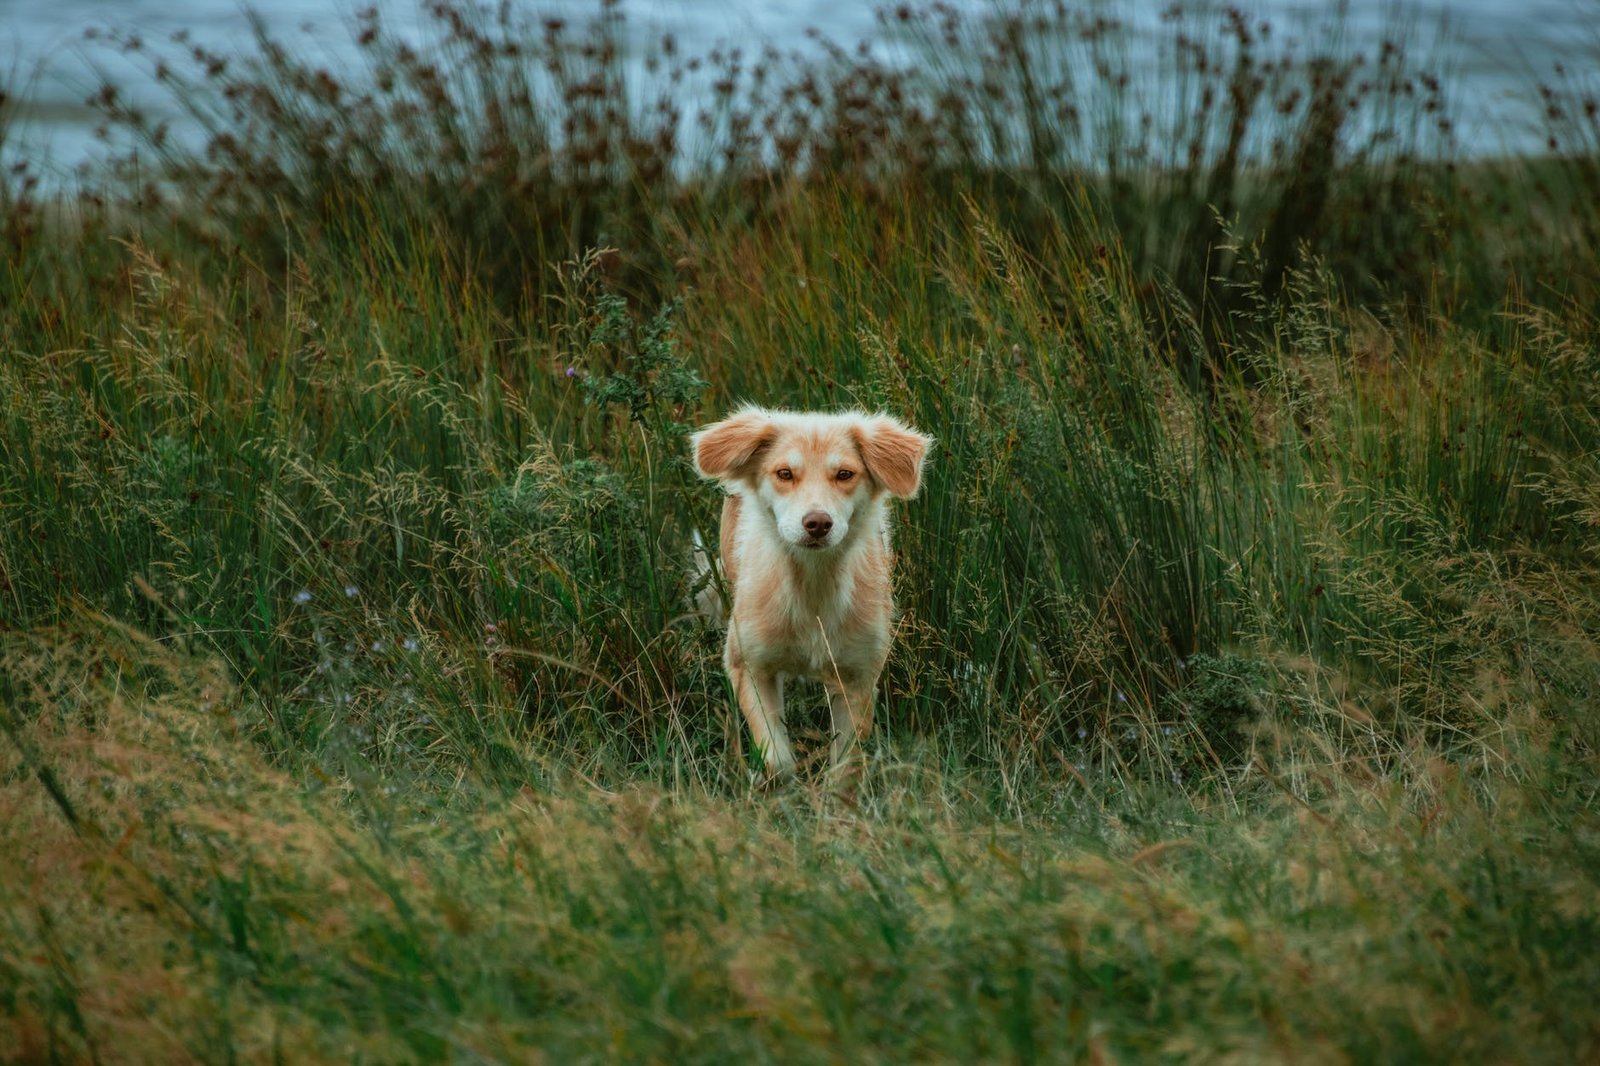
(1242, 706)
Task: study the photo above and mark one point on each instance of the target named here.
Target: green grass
(203, 903)
(1243, 697)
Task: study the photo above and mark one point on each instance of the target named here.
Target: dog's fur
(805, 551)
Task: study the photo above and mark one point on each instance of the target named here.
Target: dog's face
(812, 473)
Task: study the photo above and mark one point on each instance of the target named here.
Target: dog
(805, 550)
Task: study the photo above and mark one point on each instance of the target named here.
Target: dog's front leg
(760, 695)
(850, 706)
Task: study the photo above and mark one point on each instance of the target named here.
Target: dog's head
(812, 473)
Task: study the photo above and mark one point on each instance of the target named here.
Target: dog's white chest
(812, 654)
(805, 639)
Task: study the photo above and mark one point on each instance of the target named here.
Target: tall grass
(1243, 695)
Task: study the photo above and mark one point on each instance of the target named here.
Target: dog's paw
(772, 779)
(844, 781)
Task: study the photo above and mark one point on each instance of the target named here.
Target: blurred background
(55, 56)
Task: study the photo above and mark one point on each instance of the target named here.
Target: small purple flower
(303, 596)
(351, 592)
(572, 371)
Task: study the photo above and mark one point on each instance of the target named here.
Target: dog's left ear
(893, 453)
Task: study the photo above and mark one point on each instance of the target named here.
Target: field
(1245, 698)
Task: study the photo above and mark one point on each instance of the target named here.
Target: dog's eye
(785, 474)
(845, 475)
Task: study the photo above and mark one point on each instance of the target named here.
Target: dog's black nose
(817, 523)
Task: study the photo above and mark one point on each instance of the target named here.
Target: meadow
(1246, 692)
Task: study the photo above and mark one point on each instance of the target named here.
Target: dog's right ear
(893, 453)
(728, 448)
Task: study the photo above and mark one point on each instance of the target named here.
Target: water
(1496, 52)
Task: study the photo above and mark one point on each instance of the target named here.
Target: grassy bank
(1243, 702)
(200, 903)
